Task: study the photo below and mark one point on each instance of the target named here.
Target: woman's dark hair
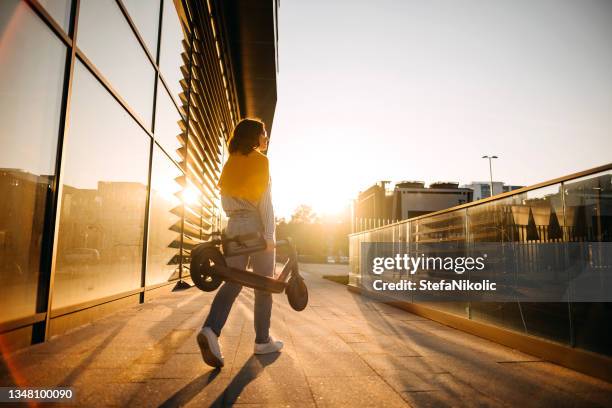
(246, 136)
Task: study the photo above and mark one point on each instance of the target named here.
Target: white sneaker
(272, 346)
(209, 346)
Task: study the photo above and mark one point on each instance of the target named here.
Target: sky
(421, 90)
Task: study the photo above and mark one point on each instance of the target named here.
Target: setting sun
(191, 195)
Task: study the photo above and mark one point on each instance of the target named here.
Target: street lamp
(490, 172)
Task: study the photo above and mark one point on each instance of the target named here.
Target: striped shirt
(263, 207)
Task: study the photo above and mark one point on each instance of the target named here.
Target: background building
(482, 189)
(372, 207)
(115, 116)
(379, 205)
(411, 199)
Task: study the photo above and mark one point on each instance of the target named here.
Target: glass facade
(137, 160)
(102, 216)
(107, 40)
(146, 17)
(576, 210)
(165, 220)
(171, 50)
(168, 124)
(59, 10)
(30, 108)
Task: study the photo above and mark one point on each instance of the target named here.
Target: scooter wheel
(297, 293)
(203, 261)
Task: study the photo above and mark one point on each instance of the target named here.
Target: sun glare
(191, 195)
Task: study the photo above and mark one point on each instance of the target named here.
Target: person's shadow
(249, 371)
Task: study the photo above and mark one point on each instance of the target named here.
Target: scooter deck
(250, 279)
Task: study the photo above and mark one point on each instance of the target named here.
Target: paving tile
(267, 384)
(185, 366)
(415, 364)
(370, 347)
(101, 395)
(587, 391)
(459, 390)
(431, 399)
(310, 330)
(409, 381)
(287, 357)
(114, 358)
(32, 371)
(278, 405)
(369, 391)
(138, 373)
(180, 392)
(320, 344)
(353, 337)
(334, 364)
(516, 389)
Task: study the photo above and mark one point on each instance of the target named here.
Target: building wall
(482, 189)
(376, 206)
(414, 202)
(373, 206)
(110, 151)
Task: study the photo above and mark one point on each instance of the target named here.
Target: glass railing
(576, 209)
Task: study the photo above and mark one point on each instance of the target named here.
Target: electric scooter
(209, 268)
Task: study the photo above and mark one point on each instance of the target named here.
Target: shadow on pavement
(188, 392)
(249, 371)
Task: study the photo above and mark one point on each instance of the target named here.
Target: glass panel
(525, 223)
(492, 222)
(171, 48)
(59, 10)
(165, 219)
(30, 104)
(441, 235)
(99, 249)
(167, 127)
(145, 14)
(107, 40)
(588, 203)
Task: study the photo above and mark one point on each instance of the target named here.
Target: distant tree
(316, 237)
(303, 214)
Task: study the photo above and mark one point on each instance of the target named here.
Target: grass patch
(341, 279)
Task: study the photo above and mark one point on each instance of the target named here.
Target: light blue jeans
(262, 263)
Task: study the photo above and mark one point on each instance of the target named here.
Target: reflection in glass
(493, 221)
(524, 223)
(167, 127)
(30, 101)
(588, 203)
(448, 228)
(107, 40)
(164, 220)
(145, 14)
(100, 239)
(59, 10)
(171, 48)
(588, 216)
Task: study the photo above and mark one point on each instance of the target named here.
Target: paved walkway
(343, 350)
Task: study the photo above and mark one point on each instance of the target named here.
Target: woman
(246, 199)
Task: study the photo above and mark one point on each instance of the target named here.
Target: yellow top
(245, 176)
